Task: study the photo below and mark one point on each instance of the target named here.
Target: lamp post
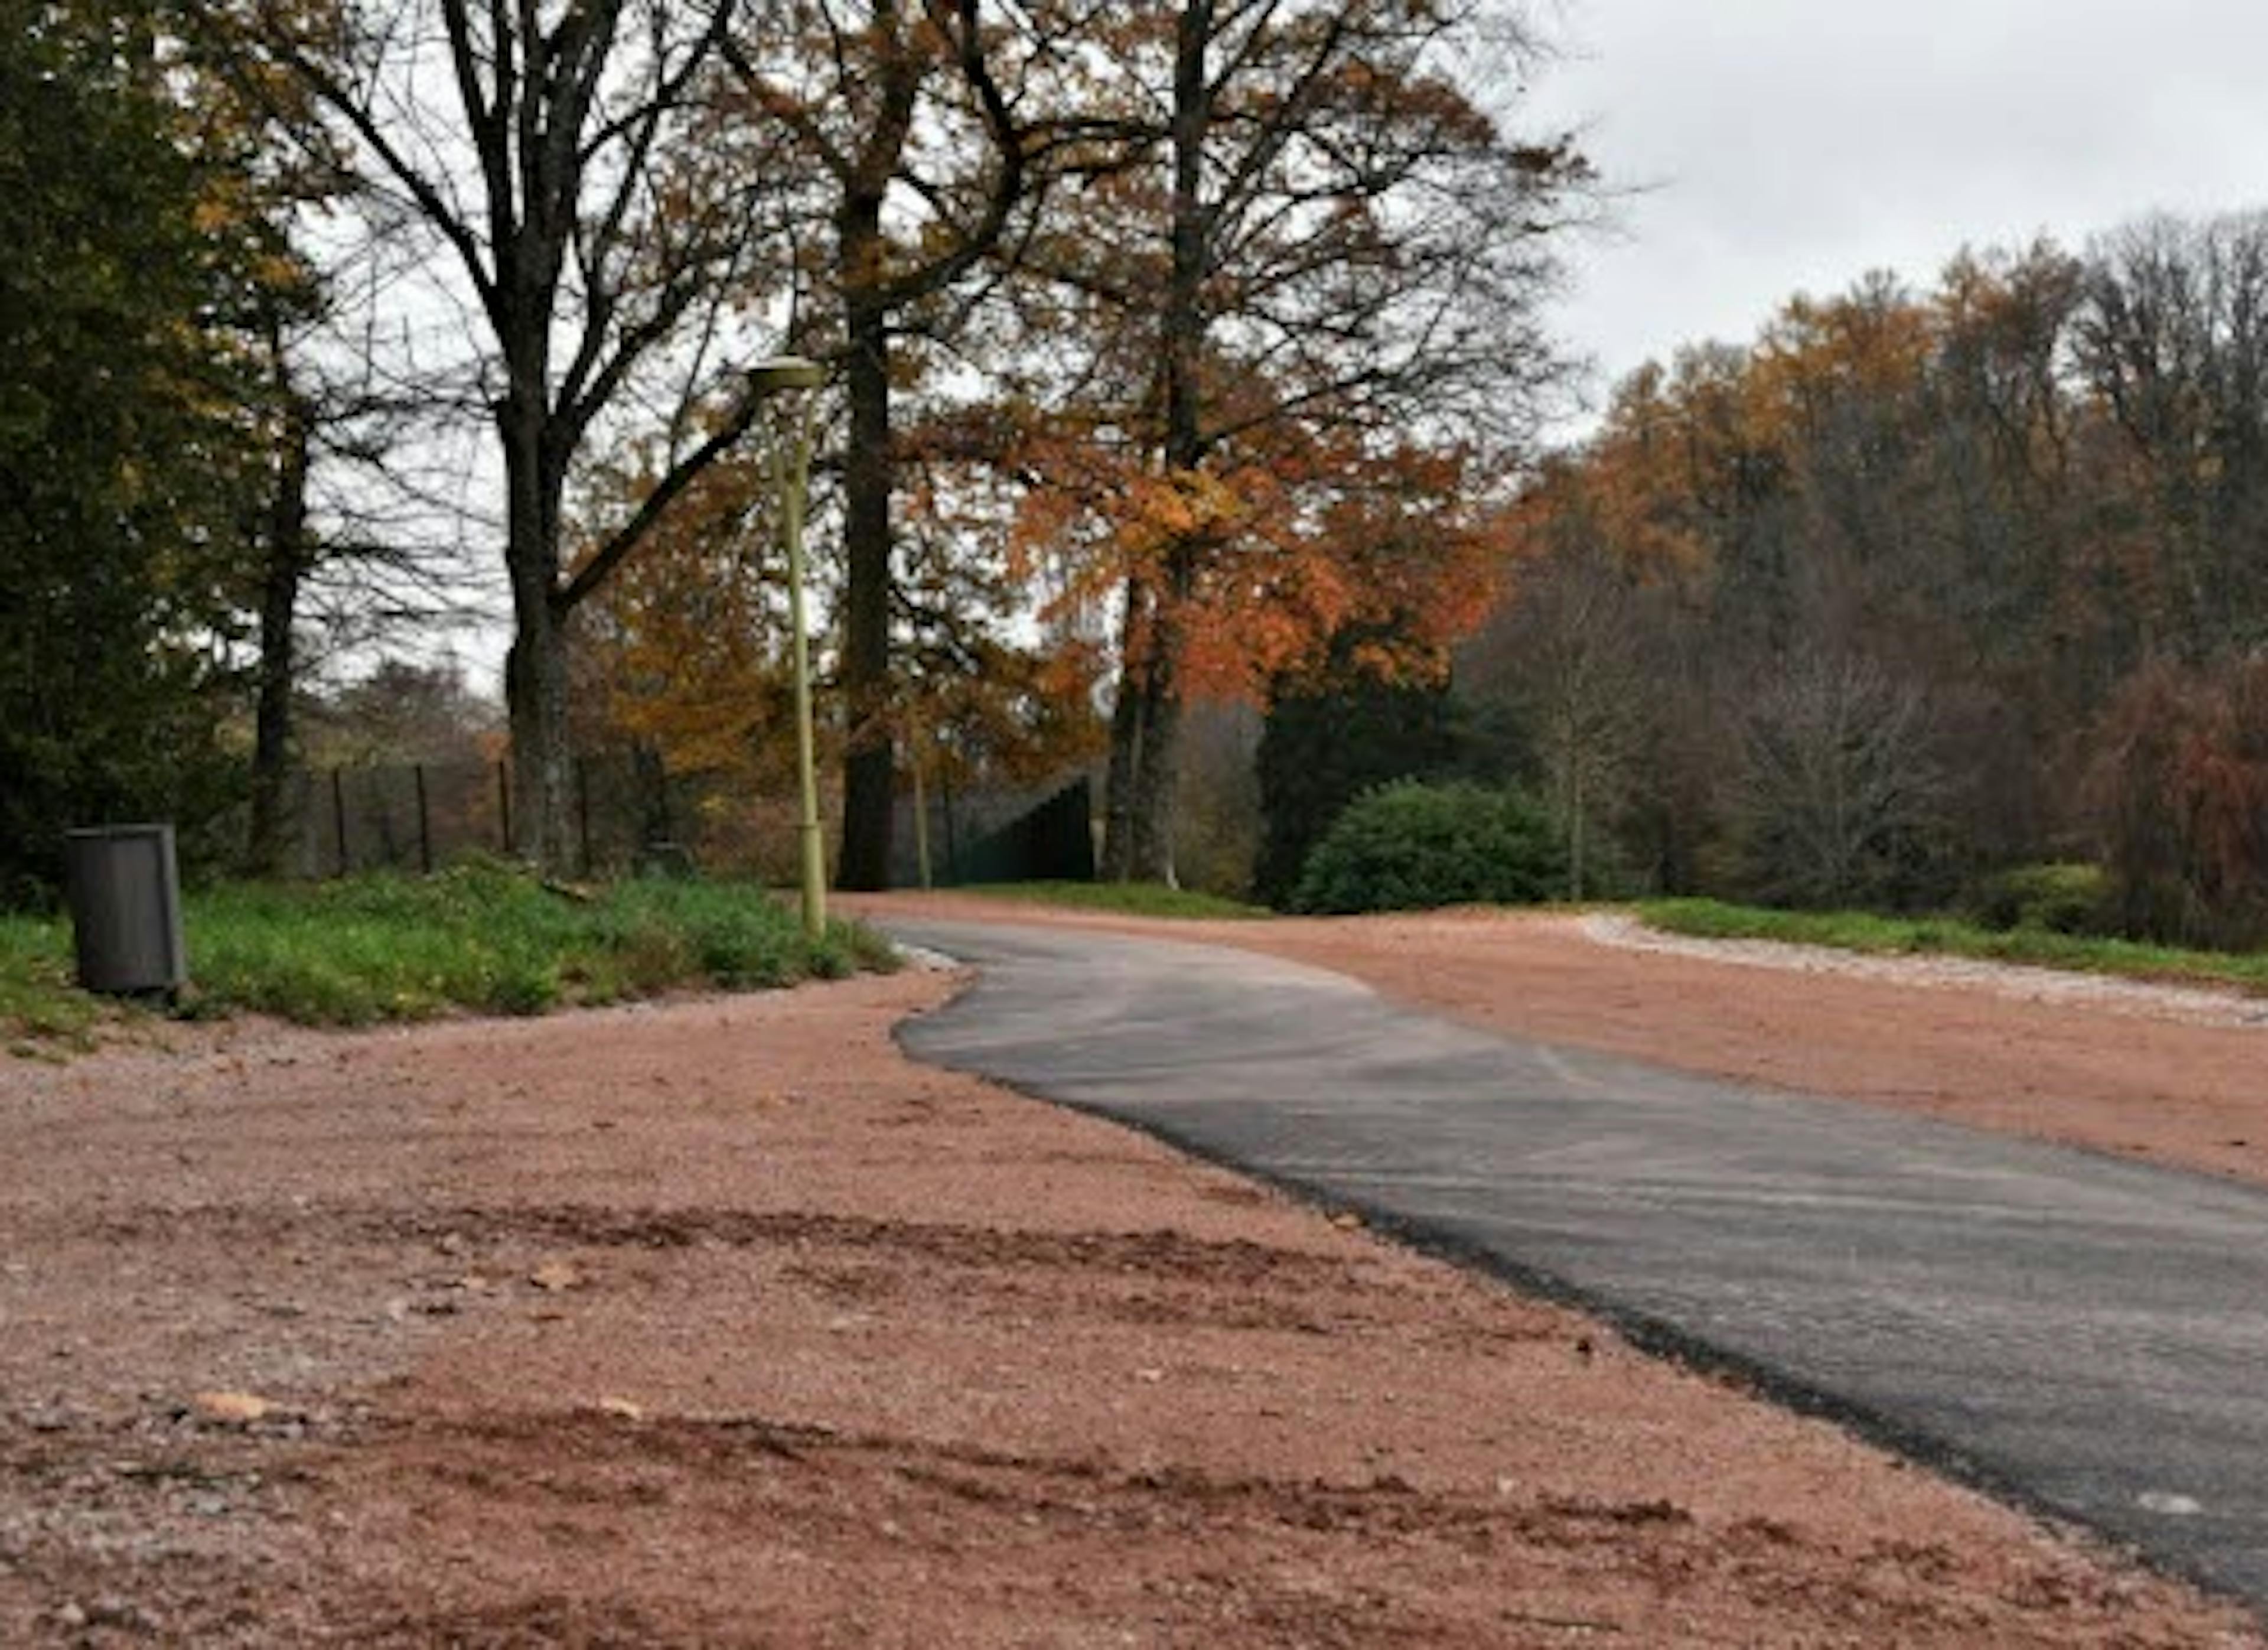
(791, 470)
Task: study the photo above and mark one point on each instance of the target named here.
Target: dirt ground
(719, 1324)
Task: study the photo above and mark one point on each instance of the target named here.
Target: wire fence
(624, 814)
(627, 815)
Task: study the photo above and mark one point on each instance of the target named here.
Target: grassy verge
(1127, 899)
(38, 1003)
(1864, 931)
(482, 937)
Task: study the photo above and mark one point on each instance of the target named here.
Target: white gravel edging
(2195, 1006)
(923, 958)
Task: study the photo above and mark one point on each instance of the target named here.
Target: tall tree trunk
(1127, 713)
(535, 691)
(288, 560)
(1158, 770)
(1576, 827)
(651, 775)
(536, 669)
(870, 761)
(1157, 777)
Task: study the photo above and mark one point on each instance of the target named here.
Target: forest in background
(1186, 369)
(1920, 585)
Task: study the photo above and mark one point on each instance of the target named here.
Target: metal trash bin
(125, 893)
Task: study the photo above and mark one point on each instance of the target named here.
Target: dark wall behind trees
(1893, 569)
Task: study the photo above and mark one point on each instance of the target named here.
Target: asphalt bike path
(2087, 1334)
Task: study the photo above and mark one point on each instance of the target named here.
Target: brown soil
(2161, 1088)
(720, 1323)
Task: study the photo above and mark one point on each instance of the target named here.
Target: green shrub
(2059, 899)
(1324, 743)
(1412, 846)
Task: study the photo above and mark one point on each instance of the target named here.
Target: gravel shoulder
(718, 1323)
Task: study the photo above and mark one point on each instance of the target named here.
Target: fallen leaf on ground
(555, 1276)
(231, 1406)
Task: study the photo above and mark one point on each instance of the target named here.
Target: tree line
(1920, 585)
(1166, 343)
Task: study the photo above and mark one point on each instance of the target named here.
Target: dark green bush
(2058, 899)
(1324, 744)
(1413, 846)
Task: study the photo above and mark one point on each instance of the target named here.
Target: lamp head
(786, 373)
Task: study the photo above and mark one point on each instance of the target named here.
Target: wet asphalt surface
(2084, 1334)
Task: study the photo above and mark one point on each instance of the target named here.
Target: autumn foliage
(1297, 550)
(1920, 585)
(685, 653)
(2182, 784)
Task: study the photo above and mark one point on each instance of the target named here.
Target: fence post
(504, 804)
(951, 835)
(338, 818)
(583, 808)
(424, 823)
(921, 818)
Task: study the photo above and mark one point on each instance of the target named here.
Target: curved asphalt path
(2088, 1335)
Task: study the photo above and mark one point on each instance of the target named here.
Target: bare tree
(1840, 796)
(551, 150)
(2172, 335)
(1565, 653)
(344, 558)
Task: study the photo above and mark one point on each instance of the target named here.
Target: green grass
(1864, 931)
(38, 1003)
(1128, 899)
(484, 938)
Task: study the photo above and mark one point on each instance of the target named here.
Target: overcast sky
(1794, 144)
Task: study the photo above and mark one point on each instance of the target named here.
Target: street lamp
(791, 470)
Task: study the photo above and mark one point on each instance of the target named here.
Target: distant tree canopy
(400, 714)
(1883, 579)
(124, 458)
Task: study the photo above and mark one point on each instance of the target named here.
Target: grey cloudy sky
(1794, 144)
